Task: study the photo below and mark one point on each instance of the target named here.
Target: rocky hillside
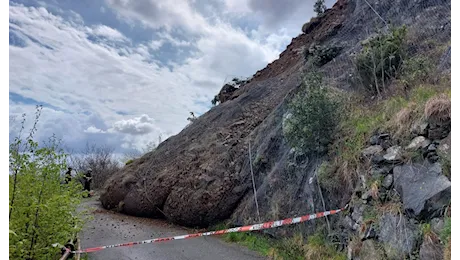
(202, 175)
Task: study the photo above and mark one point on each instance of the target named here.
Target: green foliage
(313, 116)
(319, 55)
(318, 247)
(446, 231)
(295, 247)
(446, 167)
(42, 211)
(327, 178)
(129, 162)
(416, 69)
(425, 229)
(381, 58)
(319, 7)
(371, 214)
(253, 241)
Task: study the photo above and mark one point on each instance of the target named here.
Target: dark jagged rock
(423, 188)
(398, 235)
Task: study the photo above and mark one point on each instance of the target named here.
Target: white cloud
(114, 82)
(237, 6)
(159, 14)
(107, 32)
(155, 45)
(135, 126)
(172, 40)
(94, 130)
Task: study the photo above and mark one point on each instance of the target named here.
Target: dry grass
(356, 245)
(375, 189)
(405, 117)
(395, 208)
(438, 110)
(447, 251)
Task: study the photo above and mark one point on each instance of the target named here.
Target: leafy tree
(313, 116)
(42, 210)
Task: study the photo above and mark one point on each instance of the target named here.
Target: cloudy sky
(123, 72)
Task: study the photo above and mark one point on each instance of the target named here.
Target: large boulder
(423, 188)
(398, 235)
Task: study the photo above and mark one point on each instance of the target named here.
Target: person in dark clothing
(68, 175)
(88, 179)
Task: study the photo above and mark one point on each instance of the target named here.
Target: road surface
(107, 227)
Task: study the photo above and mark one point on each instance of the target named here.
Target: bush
(313, 116)
(327, 177)
(319, 55)
(42, 211)
(416, 70)
(380, 59)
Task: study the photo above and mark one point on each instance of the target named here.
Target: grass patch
(370, 215)
(446, 167)
(296, 247)
(252, 241)
(394, 115)
(446, 231)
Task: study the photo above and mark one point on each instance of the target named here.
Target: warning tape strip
(266, 225)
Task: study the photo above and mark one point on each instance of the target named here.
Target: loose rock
(372, 150)
(418, 143)
(388, 181)
(393, 154)
(423, 188)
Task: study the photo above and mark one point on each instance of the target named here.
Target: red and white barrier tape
(266, 225)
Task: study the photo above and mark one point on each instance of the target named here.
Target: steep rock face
(202, 175)
(196, 177)
(286, 183)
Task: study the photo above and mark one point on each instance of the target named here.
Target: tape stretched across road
(266, 225)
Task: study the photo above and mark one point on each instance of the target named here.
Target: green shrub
(446, 231)
(129, 162)
(42, 211)
(380, 59)
(319, 55)
(327, 178)
(416, 70)
(313, 116)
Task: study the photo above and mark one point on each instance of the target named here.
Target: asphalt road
(107, 227)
